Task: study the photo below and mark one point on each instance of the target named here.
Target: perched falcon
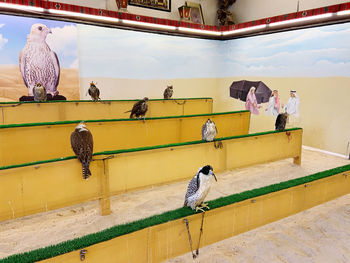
(198, 188)
(168, 92)
(82, 145)
(281, 121)
(38, 63)
(139, 109)
(209, 131)
(39, 93)
(94, 92)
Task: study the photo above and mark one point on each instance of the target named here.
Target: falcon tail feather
(86, 171)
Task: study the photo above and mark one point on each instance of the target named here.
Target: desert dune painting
(62, 39)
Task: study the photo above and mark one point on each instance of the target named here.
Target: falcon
(168, 92)
(82, 145)
(198, 188)
(209, 131)
(94, 92)
(38, 63)
(139, 109)
(281, 121)
(39, 93)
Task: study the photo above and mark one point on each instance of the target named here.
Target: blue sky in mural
(315, 52)
(106, 52)
(13, 37)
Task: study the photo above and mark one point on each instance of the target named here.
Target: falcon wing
(82, 145)
(136, 108)
(165, 94)
(216, 128)
(75, 142)
(203, 131)
(193, 187)
(56, 65)
(86, 153)
(98, 92)
(22, 63)
(89, 91)
(278, 121)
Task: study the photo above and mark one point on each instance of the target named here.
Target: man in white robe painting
(292, 108)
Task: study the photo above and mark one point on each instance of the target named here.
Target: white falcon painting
(38, 63)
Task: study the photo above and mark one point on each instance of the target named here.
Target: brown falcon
(139, 109)
(82, 145)
(168, 92)
(38, 63)
(94, 92)
(39, 93)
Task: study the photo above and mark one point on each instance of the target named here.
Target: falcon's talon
(205, 205)
(200, 209)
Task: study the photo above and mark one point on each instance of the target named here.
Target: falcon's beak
(212, 173)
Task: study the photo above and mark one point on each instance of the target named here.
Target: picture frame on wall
(162, 5)
(196, 13)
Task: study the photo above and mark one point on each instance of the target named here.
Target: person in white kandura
(292, 107)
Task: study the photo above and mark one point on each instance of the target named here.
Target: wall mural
(298, 68)
(38, 53)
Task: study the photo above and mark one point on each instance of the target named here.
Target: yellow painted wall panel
(27, 144)
(34, 189)
(37, 188)
(161, 165)
(63, 111)
(170, 239)
(263, 148)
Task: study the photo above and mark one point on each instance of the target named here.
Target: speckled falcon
(38, 63)
(209, 131)
(39, 93)
(82, 145)
(94, 92)
(198, 188)
(168, 92)
(139, 109)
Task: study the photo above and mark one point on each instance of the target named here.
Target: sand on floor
(52, 227)
(320, 234)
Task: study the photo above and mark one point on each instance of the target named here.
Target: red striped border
(162, 21)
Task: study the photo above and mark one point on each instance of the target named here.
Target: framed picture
(196, 14)
(163, 5)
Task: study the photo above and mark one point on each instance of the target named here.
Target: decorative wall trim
(305, 18)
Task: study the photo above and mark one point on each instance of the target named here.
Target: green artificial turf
(115, 231)
(114, 120)
(145, 148)
(100, 101)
